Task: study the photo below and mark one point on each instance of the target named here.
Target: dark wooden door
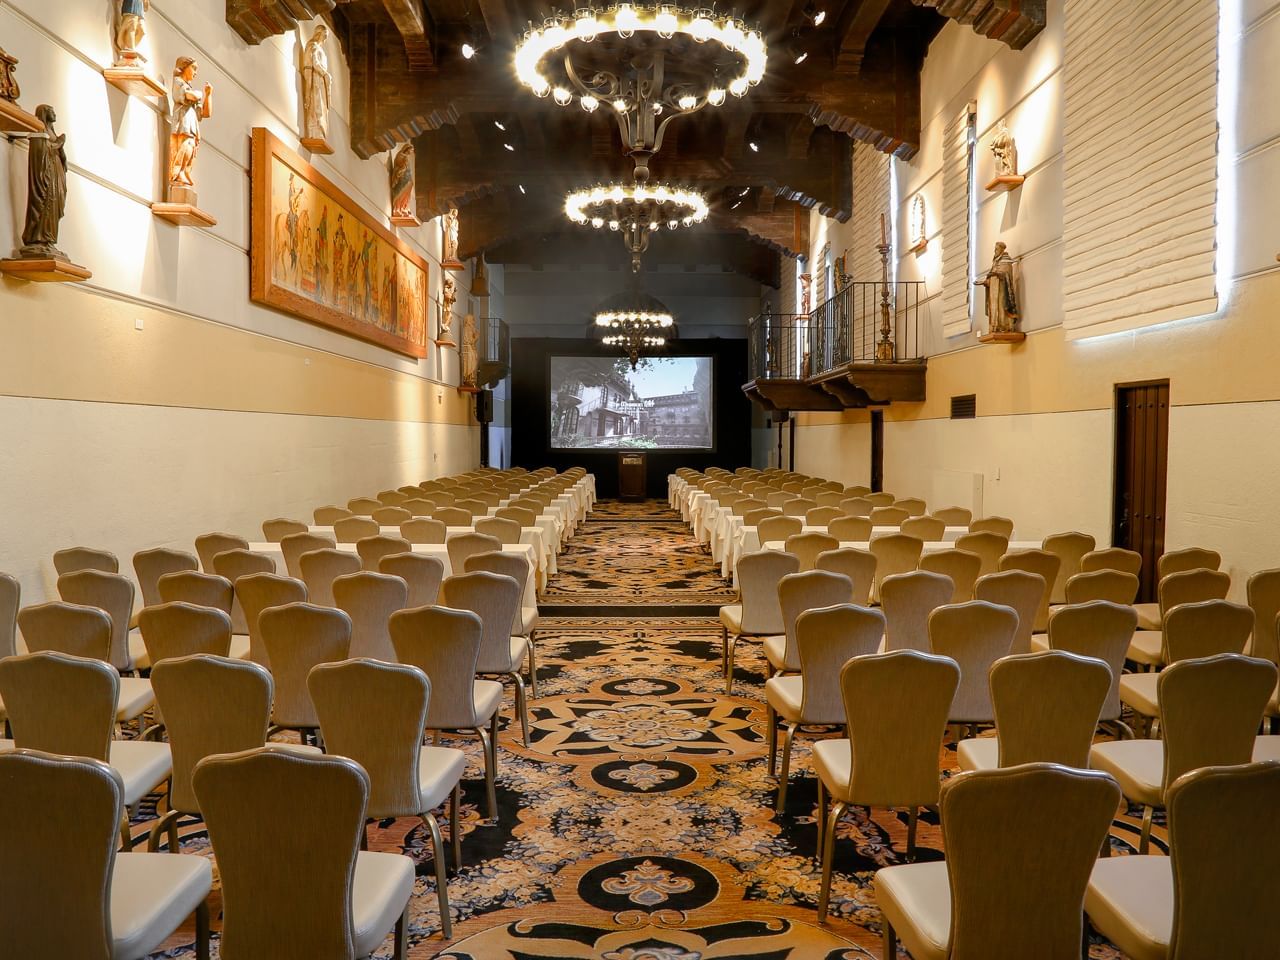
(1141, 472)
(877, 451)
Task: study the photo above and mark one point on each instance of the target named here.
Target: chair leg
(455, 824)
(771, 723)
(442, 889)
(126, 835)
(731, 645)
(521, 706)
(820, 818)
(913, 817)
(890, 941)
(1144, 839)
(202, 930)
(724, 650)
(167, 823)
(401, 951)
(785, 774)
(533, 668)
(490, 775)
(828, 855)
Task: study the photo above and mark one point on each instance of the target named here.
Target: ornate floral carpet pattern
(638, 824)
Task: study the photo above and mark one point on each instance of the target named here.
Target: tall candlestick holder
(885, 352)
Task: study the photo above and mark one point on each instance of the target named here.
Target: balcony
(842, 355)
(495, 352)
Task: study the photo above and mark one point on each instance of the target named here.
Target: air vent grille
(964, 407)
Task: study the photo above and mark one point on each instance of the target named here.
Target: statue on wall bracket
(317, 92)
(404, 187)
(448, 297)
(1005, 150)
(13, 119)
(469, 354)
(449, 240)
(917, 226)
(190, 105)
(1003, 312)
(127, 72)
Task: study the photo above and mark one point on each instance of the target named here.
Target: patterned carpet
(639, 823)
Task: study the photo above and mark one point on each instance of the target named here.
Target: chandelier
(636, 211)
(635, 322)
(647, 64)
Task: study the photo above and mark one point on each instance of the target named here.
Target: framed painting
(315, 253)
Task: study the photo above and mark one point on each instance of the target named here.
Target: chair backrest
(924, 528)
(881, 499)
(857, 490)
(848, 529)
(445, 645)
(1099, 629)
(328, 516)
(151, 565)
(914, 506)
(758, 577)
(1188, 558)
(463, 545)
(391, 516)
(1047, 706)
(808, 590)
(1112, 558)
(355, 529)
(858, 565)
(240, 562)
(211, 704)
(495, 599)
(1114, 586)
(1206, 628)
(10, 601)
(975, 635)
(521, 515)
(1192, 586)
(895, 553)
(296, 544)
(285, 893)
(778, 528)
(297, 637)
(201, 589)
(777, 498)
(209, 545)
(418, 507)
(508, 565)
(321, 567)
(807, 546)
(1070, 548)
(827, 638)
(424, 530)
(262, 591)
(1264, 600)
(998, 525)
(755, 517)
(829, 498)
(960, 565)
(1020, 590)
(888, 516)
(507, 531)
(179, 629)
(369, 599)
(373, 549)
(75, 559)
(1021, 843)
(62, 872)
(392, 498)
(1040, 562)
(363, 506)
(896, 706)
(440, 498)
(798, 507)
(421, 574)
(106, 591)
(70, 628)
(1210, 709)
(60, 704)
(989, 547)
(908, 599)
(954, 516)
(1222, 902)
(857, 506)
(281, 527)
(474, 507)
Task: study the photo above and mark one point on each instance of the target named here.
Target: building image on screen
(601, 403)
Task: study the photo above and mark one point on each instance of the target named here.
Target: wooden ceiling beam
(1014, 22)
(410, 19)
(256, 20)
(858, 21)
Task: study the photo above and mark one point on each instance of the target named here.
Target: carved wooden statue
(190, 106)
(449, 237)
(404, 201)
(806, 283)
(1005, 151)
(130, 30)
(9, 89)
(1003, 314)
(468, 352)
(317, 92)
(46, 190)
(448, 297)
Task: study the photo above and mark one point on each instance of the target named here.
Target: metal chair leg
(521, 705)
(455, 824)
(533, 670)
(731, 645)
(1144, 839)
(166, 824)
(890, 941)
(828, 855)
(202, 930)
(913, 817)
(490, 774)
(442, 889)
(771, 723)
(819, 819)
(126, 835)
(402, 936)
(785, 774)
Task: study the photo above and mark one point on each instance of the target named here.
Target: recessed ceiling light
(521, 186)
(500, 125)
(735, 205)
(507, 146)
(819, 18)
(468, 51)
(754, 146)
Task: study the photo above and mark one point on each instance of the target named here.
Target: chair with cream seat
(1112, 558)
(827, 638)
(527, 618)
(296, 544)
(67, 705)
(392, 498)
(209, 545)
(777, 498)
(441, 498)
(1020, 590)
(445, 645)
(1099, 629)
(172, 630)
(150, 565)
(507, 531)
(328, 516)
(297, 637)
(1020, 843)
(954, 516)
(424, 530)
(75, 559)
(989, 547)
(321, 567)
(473, 507)
(201, 589)
(857, 490)
(758, 614)
(1045, 565)
(923, 528)
(308, 891)
(1175, 561)
(821, 516)
(355, 529)
(1001, 526)
(799, 507)
(857, 506)
(234, 564)
(858, 565)
(807, 546)
(114, 594)
(373, 549)
(888, 516)
(10, 601)
(261, 591)
(369, 599)
(66, 891)
(1185, 586)
(418, 507)
(895, 708)
(757, 517)
(975, 635)
(364, 506)
(1070, 549)
(279, 528)
(521, 515)
(1047, 708)
(422, 576)
(463, 545)
(848, 529)
(1212, 896)
(391, 516)
(375, 713)
(914, 506)
(895, 553)
(830, 498)
(1113, 586)
(960, 565)
(495, 599)
(778, 528)
(1209, 712)
(798, 592)
(881, 499)
(908, 600)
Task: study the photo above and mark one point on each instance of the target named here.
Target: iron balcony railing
(497, 342)
(848, 328)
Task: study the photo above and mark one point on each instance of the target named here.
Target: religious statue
(917, 230)
(806, 282)
(46, 190)
(1005, 150)
(129, 32)
(449, 235)
(448, 297)
(8, 81)
(1002, 295)
(404, 200)
(468, 353)
(317, 92)
(190, 106)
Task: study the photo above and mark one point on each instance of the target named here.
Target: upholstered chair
(364, 506)
(75, 559)
(1188, 558)
(1045, 565)
(1020, 844)
(179, 629)
(1185, 586)
(422, 576)
(321, 567)
(276, 530)
(848, 529)
(908, 600)
(475, 508)
(975, 635)
(495, 599)
(888, 516)
(1114, 586)
(1023, 592)
(463, 545)
(201, 589)
(234, 564)
(777, 498)
(373, 549)
(954, 516)
(821, 516)
(857, 506)
(297, 637)
(1263, 593)
(507, 531)
(328, 516)
(262, 591)
(755, 517)
(445, 645)
(1211, 897)
(440, 498)
(960, 565)
(10, 603)
(928, 529)
(830, 498)
(914, 506)
(989, 547)
(391, 516)
(778, 528)
(418, 507)
(296, 544)
(424, 530)
(67, 893)
(1002, 526)
(308, 891)
(521, 515)
(807, 546)
(1047, 708)
(856, 490)
(895, 553)
(114, 594)
(881, 499)
(858, 565)
(1070, 549)
(151, 565)
(758, 614)
(895, 708)
(799, 507)
(798, 592)
(527, 618)
(1210, 710)
(209, 545)
(827, 638)
(1098, 629)
(369, 599)
(67, 706)
(354, 529)
(1112, 558)
(391, 498)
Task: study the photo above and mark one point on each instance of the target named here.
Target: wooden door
(877, 451)
(1141, 472)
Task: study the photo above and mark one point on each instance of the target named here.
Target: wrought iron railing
(863, 323)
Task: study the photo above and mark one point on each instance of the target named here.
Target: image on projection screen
(601, 403)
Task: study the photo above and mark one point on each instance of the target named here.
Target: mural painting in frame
(316, 254)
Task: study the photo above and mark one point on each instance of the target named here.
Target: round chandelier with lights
(648, 64)
(636, 210)
(635, 322)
